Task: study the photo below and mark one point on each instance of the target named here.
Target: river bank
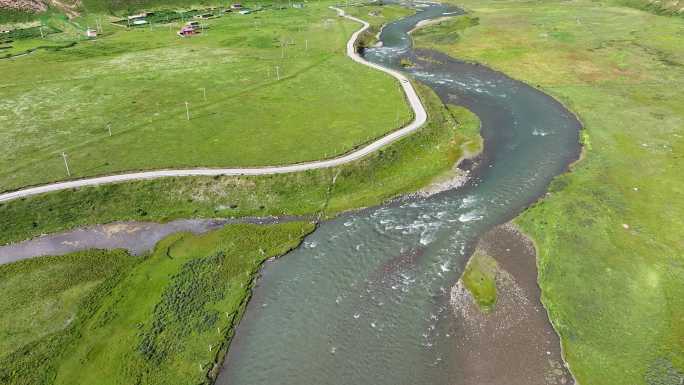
(609, 239)
(107, 317)
(514, 343)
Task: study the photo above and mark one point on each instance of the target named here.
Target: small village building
(187, 31)
(298, 5)
(91, 33)
(236, 6)
(139, 19)
(138, 16)
(204, 16)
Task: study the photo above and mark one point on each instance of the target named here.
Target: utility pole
(204, 92)
(187, 110)
(277, 73)
(109, 128)
(306, 45)
(66, 164)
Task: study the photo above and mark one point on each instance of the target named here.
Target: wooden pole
(66, 164)
(187, 110)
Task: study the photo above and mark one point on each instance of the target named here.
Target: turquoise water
(365, 300)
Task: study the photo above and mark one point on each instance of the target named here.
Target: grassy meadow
(610, 233)
(109, 318)
(136, 83)
(402, 167)
(44, 304)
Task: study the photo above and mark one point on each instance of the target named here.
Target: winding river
(365, 300)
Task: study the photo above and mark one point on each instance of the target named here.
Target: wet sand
(515, 344)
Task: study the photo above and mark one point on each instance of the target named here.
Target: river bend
(365, 300)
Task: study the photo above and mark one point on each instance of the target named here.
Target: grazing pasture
(109, 318)
(403, 167)
(272, 87)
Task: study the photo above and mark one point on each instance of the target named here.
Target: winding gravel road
(420, 117)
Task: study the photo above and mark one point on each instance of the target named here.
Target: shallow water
(365, 299)
(136, 237)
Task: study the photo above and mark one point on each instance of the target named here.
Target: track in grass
(420, 117)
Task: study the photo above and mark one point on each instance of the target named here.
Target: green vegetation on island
(479, 278)
(109, 318)
(609, 233)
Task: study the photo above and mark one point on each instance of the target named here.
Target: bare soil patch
(515, 343)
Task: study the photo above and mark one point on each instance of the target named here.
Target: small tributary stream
(365, 300)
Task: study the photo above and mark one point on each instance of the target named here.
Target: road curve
(420, 117)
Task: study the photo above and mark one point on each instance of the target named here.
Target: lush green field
(610, 234)
(50, 31)
(137, 82)
(403, 167)
(108, 318)
(45, 303)
(16, 16)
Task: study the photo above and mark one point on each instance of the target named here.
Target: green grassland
(51, 31)
(479, 277)
(610, 233)
(401, 168)
(8, 16)
(138, 81)
(45, 302)
(108, 318)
